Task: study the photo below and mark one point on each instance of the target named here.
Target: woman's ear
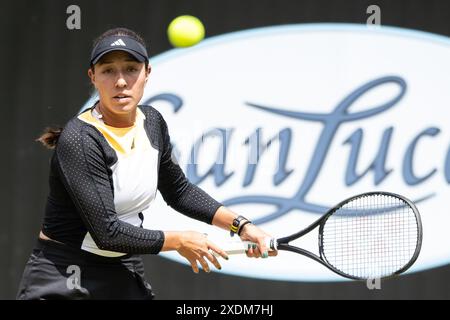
(91, 75)
(149, 70)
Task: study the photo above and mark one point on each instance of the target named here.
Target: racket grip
(240, 247)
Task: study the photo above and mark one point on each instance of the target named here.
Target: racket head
(371, 235)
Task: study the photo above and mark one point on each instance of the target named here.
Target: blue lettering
(174, 100)
(331, 122)
(218, 169)
(257, 149)
(408, 172)
(378, 165)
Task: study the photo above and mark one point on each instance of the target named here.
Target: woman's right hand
(195, 247)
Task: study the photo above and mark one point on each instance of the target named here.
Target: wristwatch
(235, 227)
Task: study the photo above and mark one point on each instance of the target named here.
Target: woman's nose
(121, 83)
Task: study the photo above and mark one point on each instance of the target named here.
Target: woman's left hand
(252, 233)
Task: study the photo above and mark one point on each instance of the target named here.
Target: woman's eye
(106, 71)
(132, 69)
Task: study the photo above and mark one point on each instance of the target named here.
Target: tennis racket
(369, 236)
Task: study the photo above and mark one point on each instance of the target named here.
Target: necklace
(97, 109)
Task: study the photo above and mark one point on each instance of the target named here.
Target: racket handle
(240, 247)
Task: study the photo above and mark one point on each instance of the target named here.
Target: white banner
(346, 109)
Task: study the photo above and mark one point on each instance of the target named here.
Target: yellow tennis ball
(185, 31)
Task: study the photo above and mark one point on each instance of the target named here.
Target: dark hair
(120, 32)
(51, 134)
(50, 137)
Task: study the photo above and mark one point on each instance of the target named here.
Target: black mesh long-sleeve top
(102, 178)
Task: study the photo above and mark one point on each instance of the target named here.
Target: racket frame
(283, 243)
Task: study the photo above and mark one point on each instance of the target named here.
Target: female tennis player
(107, 165)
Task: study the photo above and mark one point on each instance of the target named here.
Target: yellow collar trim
(107, 130)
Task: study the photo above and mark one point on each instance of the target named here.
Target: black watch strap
(234, 227)
(242, 226)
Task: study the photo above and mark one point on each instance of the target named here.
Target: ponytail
(50, 137)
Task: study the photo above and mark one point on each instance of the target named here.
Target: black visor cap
(119, 43)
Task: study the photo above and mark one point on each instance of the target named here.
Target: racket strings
(371, 237)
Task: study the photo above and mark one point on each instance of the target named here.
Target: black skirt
(57, 271)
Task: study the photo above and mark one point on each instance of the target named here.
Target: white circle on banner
(300, 86)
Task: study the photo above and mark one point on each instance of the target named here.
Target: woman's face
(120, 81)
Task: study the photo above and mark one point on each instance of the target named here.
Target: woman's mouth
(122, 98)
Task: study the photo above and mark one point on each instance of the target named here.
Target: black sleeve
(177, 190)
(85, 174)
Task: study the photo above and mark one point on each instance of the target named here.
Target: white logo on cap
(118, 43)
